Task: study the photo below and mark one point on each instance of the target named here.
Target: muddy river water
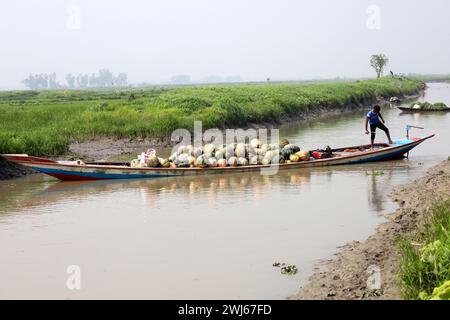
(205, 237)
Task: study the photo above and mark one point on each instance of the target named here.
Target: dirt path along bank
(345, 277)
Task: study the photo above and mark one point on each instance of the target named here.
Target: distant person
(392, 74)
(373, 119)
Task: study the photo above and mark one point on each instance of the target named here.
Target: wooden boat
(71, 170)
(407, 109)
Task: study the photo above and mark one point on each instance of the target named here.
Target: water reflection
(22, 194)
(379, 183)
(41, 192)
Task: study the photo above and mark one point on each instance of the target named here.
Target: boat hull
(423, 110)
(68, 171)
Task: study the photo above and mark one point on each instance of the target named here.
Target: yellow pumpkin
(134, 163)
(303, 155)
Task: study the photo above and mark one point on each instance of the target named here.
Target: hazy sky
(284, 39)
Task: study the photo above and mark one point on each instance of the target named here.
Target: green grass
(426, 256)
(45, 122)
(433, 77)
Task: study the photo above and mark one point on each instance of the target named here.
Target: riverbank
(105, 125)
(113, 149)
(61, 118)
(9, 170)
(345, 277)
(122, 149)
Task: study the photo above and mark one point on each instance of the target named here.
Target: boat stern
(25, 159)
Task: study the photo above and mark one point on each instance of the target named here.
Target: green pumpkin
(286, 152)
(200, 161)
(164, 162)
(295, 149)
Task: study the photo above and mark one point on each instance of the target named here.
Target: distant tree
(105, 78)
(378, 62)
(41, 81)
(70, 79)
(93, 81)
(30, 82)
(82, 80)
(52, 82)
(121, 80)
(44, 80)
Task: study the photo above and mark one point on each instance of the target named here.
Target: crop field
(44, 123)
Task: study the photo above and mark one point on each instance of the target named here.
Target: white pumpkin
(242, 162)
(240, 150)
(222, 163)
(255, 143)
(212, 162)
(232, 161)
(208, 150)
(197, 152)
(220, 154)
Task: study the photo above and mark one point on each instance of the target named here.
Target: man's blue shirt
(373, 117)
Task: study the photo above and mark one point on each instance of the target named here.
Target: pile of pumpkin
(231, 155)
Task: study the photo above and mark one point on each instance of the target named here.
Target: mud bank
(112, 149)
(10, 170)
(345, 277)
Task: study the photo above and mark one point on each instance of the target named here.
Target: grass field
(426, 266)
(44, 123)
(433, 77)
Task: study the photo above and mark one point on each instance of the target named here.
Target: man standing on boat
(373, 119)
